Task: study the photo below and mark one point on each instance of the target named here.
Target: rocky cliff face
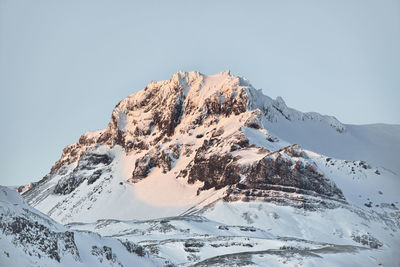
(144, 119)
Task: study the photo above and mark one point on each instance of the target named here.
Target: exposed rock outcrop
(161, 158)
(89, 161)
(38, 239)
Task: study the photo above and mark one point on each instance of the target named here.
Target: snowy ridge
(276, 111)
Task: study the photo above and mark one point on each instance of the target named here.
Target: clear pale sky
(64, 65)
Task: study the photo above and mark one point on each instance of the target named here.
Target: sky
(64, 65)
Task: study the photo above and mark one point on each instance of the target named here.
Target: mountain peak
(210, 119)
(187, 101)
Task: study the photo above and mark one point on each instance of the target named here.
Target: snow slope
(377, 144)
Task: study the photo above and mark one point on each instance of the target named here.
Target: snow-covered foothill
(30, 238)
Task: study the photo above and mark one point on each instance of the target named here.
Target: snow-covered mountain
(30, 238)
(207, 170)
